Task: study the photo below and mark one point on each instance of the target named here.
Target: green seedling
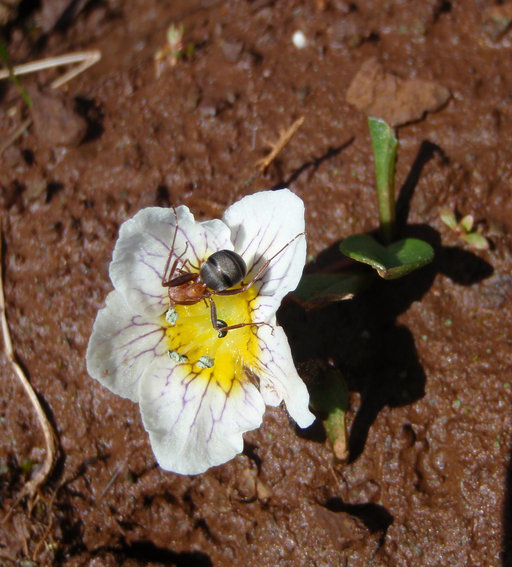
(4, 57)
(390, 258)
(331, 400)
(325, 288)
(464, 228)
(390, 262)
(175, 42)
(384, 151)
(174, 50)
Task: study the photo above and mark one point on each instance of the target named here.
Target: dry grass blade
(11, 138)
(82, 59)
(279, 144)
(41, 475)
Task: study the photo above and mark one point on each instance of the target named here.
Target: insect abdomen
(222, 270)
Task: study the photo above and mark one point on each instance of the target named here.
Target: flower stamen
(205, 362)
(175, 356)
(171, 316)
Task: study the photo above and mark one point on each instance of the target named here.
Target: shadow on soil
(362, 338)
(146, 553)
(374, 516)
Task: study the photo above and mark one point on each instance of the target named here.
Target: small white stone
(299, 39)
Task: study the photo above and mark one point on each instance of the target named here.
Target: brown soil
(427, 358)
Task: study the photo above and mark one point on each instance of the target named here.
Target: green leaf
(331, 398)
(467, 223)
(393, 261)
(476, 240)
(384, 150)
(324, 288)
(448, 217)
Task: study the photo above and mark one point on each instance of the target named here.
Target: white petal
(143, 249)
(278, 377)
(122, 346)
(192, 423)
(261, 225)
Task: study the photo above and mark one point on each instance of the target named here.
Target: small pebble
(299, 39)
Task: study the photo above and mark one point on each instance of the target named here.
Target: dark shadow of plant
(362, 337)
(375, 517)
(147, 553)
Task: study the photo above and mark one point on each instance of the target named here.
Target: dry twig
(82, 59)
(113, 478)
(279, 144)
(11, 138)
(41, 475)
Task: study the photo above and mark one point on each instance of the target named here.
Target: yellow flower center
(193, 341)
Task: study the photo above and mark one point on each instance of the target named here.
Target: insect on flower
(189, 331)
(218, 275)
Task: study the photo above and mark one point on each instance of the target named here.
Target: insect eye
(222, 270)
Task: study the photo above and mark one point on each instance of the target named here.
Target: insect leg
(167, 282)
(222, 328)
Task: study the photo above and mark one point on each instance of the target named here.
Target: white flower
(199, 391)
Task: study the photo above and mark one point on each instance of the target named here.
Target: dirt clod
(381, 94)
(56, 122)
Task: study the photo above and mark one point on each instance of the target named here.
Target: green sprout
(174, 50)
(175, 41)
(463, 227)
(331, 400)
(390, 258)
(384, 145)
(4, 57)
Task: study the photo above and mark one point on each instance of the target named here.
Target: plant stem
(384, 150)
